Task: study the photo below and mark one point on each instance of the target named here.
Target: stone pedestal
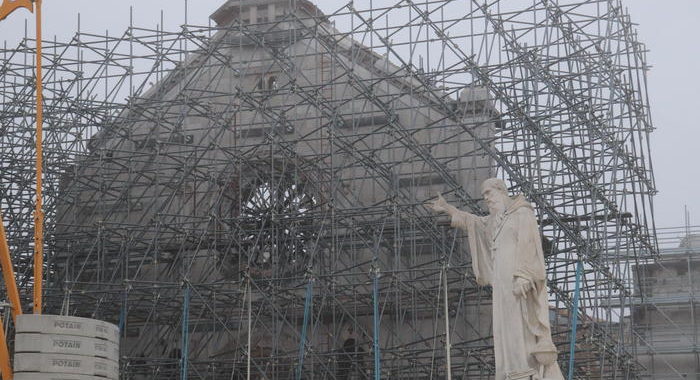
(56, 347)
(528, 374)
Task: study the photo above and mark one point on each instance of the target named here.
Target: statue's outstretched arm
(440, 205)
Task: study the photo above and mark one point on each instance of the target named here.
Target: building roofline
(222, 15)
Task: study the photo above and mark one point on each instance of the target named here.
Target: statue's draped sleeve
(530, 258)
(479, 244)
(530, 266)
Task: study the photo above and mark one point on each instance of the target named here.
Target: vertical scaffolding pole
(122, 313)
(185, 332)
(574, 319)
(249, 293)
(307, 312)
(375, 319)
(448, 345)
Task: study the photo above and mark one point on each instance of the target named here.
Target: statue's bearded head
(495, 195)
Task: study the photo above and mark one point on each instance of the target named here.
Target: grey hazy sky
(668, 27)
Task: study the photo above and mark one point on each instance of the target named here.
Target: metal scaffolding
(247, 198)
(665, 308)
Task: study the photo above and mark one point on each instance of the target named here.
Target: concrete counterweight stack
(50, 347)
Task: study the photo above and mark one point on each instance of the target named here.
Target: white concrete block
(56, 324)
(66, 344)
(53, 376)
(73, 364)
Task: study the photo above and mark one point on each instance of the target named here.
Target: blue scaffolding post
(307, 312)
(123, 312)
(185, 332)
(574, 318)
(375, 301)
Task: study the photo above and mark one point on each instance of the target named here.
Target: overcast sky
(670, 29)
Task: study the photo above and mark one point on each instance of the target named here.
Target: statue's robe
(504, 247)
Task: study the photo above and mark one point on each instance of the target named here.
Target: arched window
(272, 83)
(349, 360)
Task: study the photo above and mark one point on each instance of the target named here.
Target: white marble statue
(507, 254)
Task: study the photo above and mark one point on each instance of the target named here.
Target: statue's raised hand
(439, 205)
